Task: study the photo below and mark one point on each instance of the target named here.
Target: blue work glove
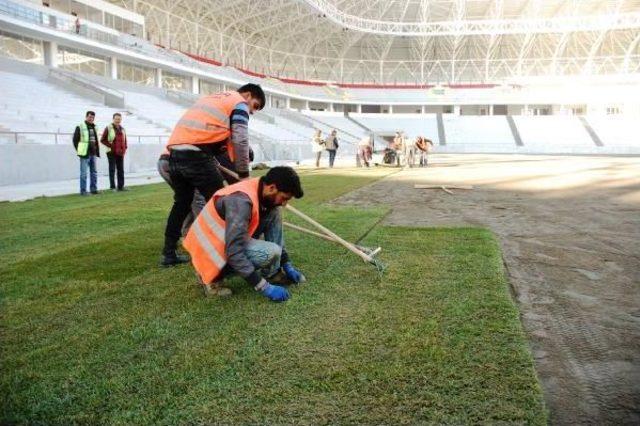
(293, 274)
(274, 293)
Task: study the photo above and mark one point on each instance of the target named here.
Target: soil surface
(569, 227)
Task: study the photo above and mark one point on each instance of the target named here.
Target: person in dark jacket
(331, 145)
(114, 138)
(85, 141)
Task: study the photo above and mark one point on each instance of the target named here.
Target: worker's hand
(293, 274)
(275, 293)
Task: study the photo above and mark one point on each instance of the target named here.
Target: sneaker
(95, 192)
(84, 194)
(174, 259)
(123, 189)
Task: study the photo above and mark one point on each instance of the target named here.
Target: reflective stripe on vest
(205, 240)
(111, 135)
(208, 121)
(83, 145)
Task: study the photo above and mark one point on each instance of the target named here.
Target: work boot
(216, 289)
(173, 259)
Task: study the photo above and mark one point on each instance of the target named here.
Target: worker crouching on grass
(223, 240)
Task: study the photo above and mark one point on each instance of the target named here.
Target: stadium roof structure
(413, 41)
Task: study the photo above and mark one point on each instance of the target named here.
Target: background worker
(364, 150)
(408, 151)
(115, 139)
(215, 123)
(423, 146)
(317, 146)
(224, 238)
(331, 145)
(397, 146)
(85, 141)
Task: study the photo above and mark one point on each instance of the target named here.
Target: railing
(56, 20)
(51, 138)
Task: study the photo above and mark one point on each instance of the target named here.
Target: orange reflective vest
(205, 240)
(208, 121)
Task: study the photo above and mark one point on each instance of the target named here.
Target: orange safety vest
(205, 239)
(208, 121)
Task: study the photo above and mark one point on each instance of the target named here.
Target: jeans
(88, 162)
(266, 254)
(188, 171)
(116, 162)
(198, 200)
(332, 156)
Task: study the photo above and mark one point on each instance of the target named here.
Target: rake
(365, 253)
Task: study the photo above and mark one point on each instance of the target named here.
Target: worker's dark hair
(89, 113)
(117, 114)
(256, 92)
(286, 180)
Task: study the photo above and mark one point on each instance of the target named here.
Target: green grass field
(93, 331)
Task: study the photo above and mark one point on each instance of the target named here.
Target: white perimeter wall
(42, 163)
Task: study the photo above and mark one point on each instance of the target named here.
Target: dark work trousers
(189, 170)
(116, 163)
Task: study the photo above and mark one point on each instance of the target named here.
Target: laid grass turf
(94, 332)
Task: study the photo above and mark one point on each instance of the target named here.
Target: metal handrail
(57, 136)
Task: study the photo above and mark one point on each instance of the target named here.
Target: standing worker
(224, 239)
(317, 146)
(397, 146)
(85, 141)
(364, 150)
(331, 145)
(216, 122)
(115, 139)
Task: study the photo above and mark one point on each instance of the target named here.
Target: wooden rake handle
(306, 218)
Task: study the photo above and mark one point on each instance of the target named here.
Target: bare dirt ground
(570, 232)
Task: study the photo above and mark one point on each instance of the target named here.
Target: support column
(113, 67)
(390, 109)
(331, 107)
(525, 110)
(288, 103)
(456, 109)
(306, 105)
(51, 54)
(423, 109)
(195, 85)
(359, 108)
(490, 109)
(159, 77)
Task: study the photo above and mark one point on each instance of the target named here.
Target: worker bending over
(224, 238)
(214, 124)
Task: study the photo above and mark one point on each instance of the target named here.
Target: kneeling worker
(223, 239)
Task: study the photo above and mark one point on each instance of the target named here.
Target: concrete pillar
(525, 110)
(456, 109)
(159, 77)
(306, 105)
(288, 103)
(332, 107)
(423, 109)
(490, 109)
(51, 54)
(113, 67)
(390, 109)
(359, 108)
(195, 85)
